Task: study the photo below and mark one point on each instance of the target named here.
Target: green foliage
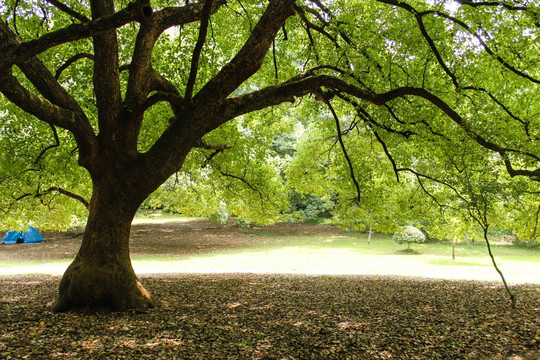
(409, 160)
(221, 215)
(243, 223)
(309, 208)
(408, 235)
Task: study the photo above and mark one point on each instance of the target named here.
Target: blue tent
(17, 237)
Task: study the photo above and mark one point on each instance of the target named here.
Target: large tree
(139, 87)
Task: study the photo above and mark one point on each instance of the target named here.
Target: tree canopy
(402, 110)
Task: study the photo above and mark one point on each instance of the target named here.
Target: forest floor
(264, 316)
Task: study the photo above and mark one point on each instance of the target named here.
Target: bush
(221, 215)
(528, 244)
(409, 235)
(309, 208)
(243, 223)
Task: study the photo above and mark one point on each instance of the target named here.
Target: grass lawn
(350, 254)
(275, 251)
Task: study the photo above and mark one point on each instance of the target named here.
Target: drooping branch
(387, 153)
(506, 5)
(536, 218)
(485, 227)
(505, 108)
(67, 193)
(367, 118)
(344, 149)
(218, 149)
(435, 180)
(467, 28)
(39, 195)
(486, 48)
(243, 180)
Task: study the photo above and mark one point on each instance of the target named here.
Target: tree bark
(101, 276)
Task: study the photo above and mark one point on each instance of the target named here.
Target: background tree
(140, 92)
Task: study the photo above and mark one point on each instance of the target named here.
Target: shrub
(221, 215)
(409, 235)
(528, 244)
(243, 223)
(309, 208)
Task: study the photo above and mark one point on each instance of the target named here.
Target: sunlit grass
(159, 217)
(320, 260)
(347, 253)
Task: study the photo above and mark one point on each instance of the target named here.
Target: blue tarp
(18, 237)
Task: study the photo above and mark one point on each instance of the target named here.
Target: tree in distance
(408, 235)
(105, 101)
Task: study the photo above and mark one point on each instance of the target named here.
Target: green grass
(157, 216)
(350, 254)
(347, 253)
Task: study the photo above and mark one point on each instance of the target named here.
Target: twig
(71, 61)
(55, 145)
(68, 10)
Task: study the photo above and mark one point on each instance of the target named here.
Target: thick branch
(204, 116)
(203, 30)
(41, 108)
(288, 91)
(58, 107)
(250, 58)
(23, 51)
(174, 100)
(139, 83)
(106, 77)
(173, 16)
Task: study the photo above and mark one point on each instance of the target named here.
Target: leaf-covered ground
(278, 317)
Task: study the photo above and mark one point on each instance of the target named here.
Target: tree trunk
(468, 242)
(101, 276)
(453, 249)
